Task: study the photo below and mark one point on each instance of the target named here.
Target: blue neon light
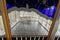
(47, 11)
(9, 6)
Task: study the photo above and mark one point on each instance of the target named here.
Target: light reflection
(52, 7)
(49, 11)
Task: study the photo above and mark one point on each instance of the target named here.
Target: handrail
(53, 21)
(5, 18)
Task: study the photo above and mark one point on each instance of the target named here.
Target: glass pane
(31, 17)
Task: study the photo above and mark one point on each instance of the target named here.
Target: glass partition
(31, 17)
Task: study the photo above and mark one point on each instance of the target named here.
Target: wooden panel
(53, 21)
(5, 19)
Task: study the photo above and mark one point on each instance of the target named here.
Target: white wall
(2, 31)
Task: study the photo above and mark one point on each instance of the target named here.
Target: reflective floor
(28, 27)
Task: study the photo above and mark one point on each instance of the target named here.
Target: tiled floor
(28, 27)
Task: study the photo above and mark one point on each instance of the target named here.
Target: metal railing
(29, 38)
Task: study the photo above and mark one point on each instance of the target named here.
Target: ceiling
(33, 3)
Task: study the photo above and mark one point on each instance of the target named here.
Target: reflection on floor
(28, 27)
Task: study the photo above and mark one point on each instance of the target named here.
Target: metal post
(55, 27)
(53, 22)
(5, 18)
